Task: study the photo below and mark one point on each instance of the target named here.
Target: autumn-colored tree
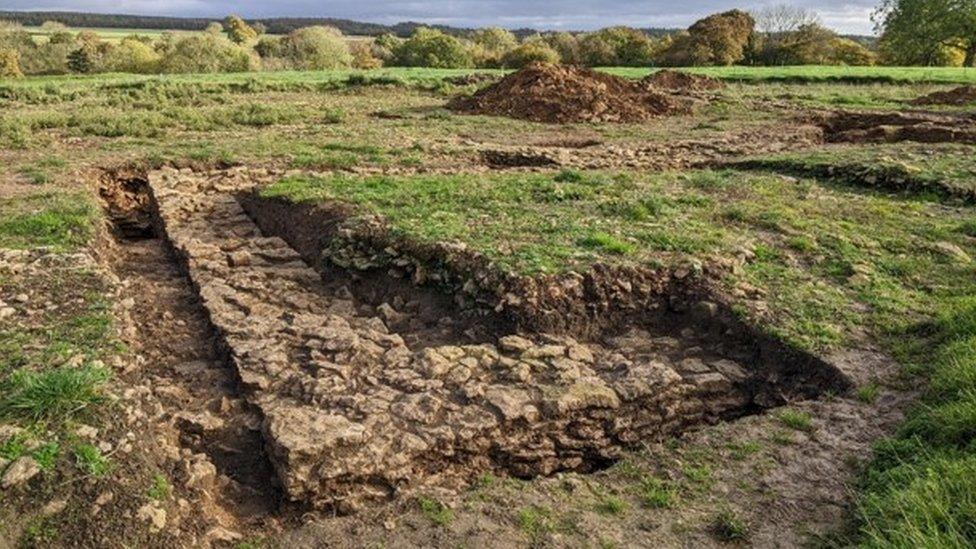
(719, 39)
(10, 64)
(238, 31)
(489, 45)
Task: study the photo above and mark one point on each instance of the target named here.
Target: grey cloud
(843, 15)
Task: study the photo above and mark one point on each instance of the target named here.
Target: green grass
(535, 522)
(940, 169)
(797, 420)
(91, 461)
(818, 74)
(656, 493)
(729, 526)
(160, 489)
(920, 490)
(55, 394)
(611, 505)
(61, 221)
(435, 511)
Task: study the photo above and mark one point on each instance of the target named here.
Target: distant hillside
(274, 25)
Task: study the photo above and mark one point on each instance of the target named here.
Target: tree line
(773, 36)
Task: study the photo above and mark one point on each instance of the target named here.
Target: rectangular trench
(360, 403)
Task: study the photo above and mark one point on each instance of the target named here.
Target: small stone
(54, 507)
(580, 353)
(155, 516)
(20, 471)
(86, 432)
(7, 312)
(730, 370)
(514, 344)
(220, 533)
(693, 366)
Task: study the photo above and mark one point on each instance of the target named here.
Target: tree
(316, 48)
(490, 44)
(238, 31)
(533, 51)
(567, 45)
(362, 55)
(428, 47)
(81, 60)
(917, 32)
(10, 64)
(774, 26)
(630, 47)
(720, 39)
(849, 52)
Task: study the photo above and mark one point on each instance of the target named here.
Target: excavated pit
(890, 127)
(370, 380)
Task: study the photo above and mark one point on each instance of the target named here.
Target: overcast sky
(848, 16)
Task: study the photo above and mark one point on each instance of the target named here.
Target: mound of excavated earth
(682, 81)
(560, 94)
(962, 95)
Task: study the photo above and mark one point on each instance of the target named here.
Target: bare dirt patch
(962, 95)
(557, 94)
(888, 127)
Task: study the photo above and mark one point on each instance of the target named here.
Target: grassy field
(842, 256)
(106, 34)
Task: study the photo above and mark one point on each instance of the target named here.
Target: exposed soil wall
(361, 402)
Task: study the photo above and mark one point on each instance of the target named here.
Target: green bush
(432, 48)
(131, 55)
(316, 48)
(205, 52)
(535, 51)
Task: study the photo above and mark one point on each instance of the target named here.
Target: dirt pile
(557, 94)
(682, 81)
(956, 96)
(868, 127)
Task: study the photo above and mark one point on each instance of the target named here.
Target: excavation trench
(218, 449)
(372, 377)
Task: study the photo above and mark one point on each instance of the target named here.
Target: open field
(322, 308)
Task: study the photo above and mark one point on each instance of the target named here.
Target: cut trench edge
(829, 375)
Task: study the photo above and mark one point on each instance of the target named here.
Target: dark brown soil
(889, 127)
(558, 94)
(682, 81)
(957, 96)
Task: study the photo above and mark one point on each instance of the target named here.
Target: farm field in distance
(308, 308)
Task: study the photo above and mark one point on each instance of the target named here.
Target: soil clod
(888, 127)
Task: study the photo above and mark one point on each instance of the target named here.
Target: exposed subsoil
(889, 127)
(206, 435)
(962, 95)
(670, 154)
(562, 94)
